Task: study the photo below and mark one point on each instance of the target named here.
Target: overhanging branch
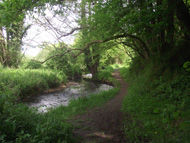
(57, 55)
(100, 41)
(73, 30)
(91, 43)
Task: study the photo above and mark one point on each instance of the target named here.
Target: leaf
(156, 110)
(165, 120)
(186, 65)
(176, 115)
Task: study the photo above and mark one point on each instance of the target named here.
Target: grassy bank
(157, 105)
(26, 82)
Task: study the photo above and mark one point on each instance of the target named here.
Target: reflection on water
(53, 99)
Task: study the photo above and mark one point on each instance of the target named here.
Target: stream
(46, 101)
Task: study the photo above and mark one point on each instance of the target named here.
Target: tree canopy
(151, 28)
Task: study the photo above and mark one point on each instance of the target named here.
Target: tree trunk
(2, 47)
(183, 15)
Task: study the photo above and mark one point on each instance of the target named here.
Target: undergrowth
(157, 107)
(20, 125)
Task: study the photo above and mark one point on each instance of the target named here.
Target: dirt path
(103, 124)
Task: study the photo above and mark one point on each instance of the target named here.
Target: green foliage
(20, 124)
(32, 65)
(112, 55)
(26, 82)
(106, 74)
(66, 63)
(1, 67)
(186, 65)
(158, 107)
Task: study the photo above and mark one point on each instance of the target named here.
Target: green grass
(26, 82)
(157, 109)
(116, 66)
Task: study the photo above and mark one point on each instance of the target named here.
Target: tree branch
(100, 41)
(73, 30)
(62, 54)
(89, 44)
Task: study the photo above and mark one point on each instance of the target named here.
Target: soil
(103, 124)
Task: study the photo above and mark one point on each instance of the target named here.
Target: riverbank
(74, 90)
(21, 124)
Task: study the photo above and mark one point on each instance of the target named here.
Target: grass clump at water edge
(26, 82)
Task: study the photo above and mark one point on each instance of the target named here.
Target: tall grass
(158, 108)
(26, 82)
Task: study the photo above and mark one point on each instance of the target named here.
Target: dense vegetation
(157, 106)
(151, 37)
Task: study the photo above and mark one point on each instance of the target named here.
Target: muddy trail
(103, 124)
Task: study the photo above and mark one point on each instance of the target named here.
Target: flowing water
(46, 101)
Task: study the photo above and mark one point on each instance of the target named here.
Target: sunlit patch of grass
(118, 66)
(25, 82)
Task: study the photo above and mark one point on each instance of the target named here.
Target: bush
(32, 65)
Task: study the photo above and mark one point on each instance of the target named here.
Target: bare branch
(73, 30)
(62, 54)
